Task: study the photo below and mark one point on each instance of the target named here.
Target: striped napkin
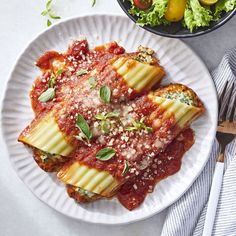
(187, 216)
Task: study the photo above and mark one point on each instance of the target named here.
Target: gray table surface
(20, 212)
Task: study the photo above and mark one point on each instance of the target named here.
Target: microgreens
(48, 11)
(137, 125)
(53, 78)
(104, 120)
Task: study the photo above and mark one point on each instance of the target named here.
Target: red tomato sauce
(167, 163)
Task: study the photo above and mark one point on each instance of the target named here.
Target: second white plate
(182, 66)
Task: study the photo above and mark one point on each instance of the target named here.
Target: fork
(226, 132)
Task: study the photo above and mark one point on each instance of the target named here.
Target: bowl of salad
(179, 18)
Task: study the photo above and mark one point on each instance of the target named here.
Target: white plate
(182, 66)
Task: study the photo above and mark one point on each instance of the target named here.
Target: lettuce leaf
(196, 15)
(154, 16)
(223, 6)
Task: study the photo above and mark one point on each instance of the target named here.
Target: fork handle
(213, 199)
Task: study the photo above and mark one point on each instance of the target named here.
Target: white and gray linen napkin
(186, 217)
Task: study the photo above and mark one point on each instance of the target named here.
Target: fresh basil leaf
(47, 95)
(105, 154)
(105, 94)
(93, 2)
(49, 23)
(81, 72)
(105, 126)
(92, 82)
(112, 114)
(126, 168)
(100, 116)
(82, 124)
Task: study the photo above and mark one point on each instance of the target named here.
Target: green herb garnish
(47, 95)
(137, 125)
(82, 124)
(126, 168)
(53, 78)
(105, 126)
(48, 11)
(105, 94)
(49, 23)
(81, 72)
(105, 154)
(93, 2)
(92, 82)
(107, 115)
(104, 120)
(113, 114)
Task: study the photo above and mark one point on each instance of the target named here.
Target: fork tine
(222, 98)
(225, 110)
(233, 111)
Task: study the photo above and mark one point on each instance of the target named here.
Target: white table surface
(21, 213)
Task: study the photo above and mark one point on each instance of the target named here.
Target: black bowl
(176, 30)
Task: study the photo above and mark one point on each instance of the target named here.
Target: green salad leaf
(153, 16)
(196, 15)
(223, 6)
